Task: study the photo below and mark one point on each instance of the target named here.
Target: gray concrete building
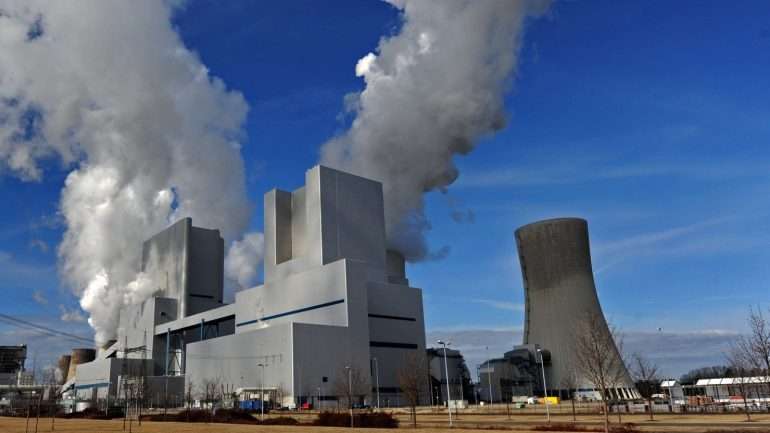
(12, 359)
(333, 298)
(459, 378)
(515, 374)
(559, 291)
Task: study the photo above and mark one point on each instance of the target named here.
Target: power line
(42, 329)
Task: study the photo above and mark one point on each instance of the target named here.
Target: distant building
(459, 376)
(515, 374)
(12, 359)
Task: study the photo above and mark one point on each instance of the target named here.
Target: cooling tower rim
(548, 221)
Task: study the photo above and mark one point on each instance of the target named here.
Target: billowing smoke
(108, 90)
(241, 257)
(432, 91)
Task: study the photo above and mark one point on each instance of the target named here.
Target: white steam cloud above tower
(432, 91)
(108, 90)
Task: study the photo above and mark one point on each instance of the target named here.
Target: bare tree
(570, 382)
(350, 386)
(598, 357)
(740, 368)
(646, 378)
(754, 348)
(411, 380)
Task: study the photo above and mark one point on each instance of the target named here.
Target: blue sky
(649, 119)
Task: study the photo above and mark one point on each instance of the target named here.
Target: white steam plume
(108, 89)
(239, 264)
(432, 91)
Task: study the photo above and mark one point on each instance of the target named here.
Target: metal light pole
(545, 387)
(489, 379)
(350, 393)
(377, 380)
(446, 371)
(262, 393)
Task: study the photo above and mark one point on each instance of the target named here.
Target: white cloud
(71, 315)
(676, 352)
(500, 305)
(584, 170)
(39, 297)
(39, 244)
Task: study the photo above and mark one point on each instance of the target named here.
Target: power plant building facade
(559, 290)
(333, 298)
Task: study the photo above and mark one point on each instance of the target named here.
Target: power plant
(559, 291)
(333, 300)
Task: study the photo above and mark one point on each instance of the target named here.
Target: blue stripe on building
(392, 345)
(93, 385)
(289, 313)
(385, 316)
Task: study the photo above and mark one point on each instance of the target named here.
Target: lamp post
(262, 393)
(489, 379)
(377, 380)
(446, 371)
(545, 387)
(350, 393)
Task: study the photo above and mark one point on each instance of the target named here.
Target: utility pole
(489, 379)
(377, 380)
(446, 371)
(545, 387)
(262, 393)
(350, 393)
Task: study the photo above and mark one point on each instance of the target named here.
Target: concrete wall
(559, 289)
(186, 263)
(233, 360)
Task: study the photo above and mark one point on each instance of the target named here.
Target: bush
(224, 416)
(623, 428)
(282, 420)
(376, 419)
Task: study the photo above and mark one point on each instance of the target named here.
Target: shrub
(375, 419)
(623, 428)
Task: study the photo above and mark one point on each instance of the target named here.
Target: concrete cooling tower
(559, 292)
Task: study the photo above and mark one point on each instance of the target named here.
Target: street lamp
(262, 393)
(446, 371)
(489, 379)
(350, 393)
(377, 380)
(545, 387)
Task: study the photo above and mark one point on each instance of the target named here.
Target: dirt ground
(428, 423)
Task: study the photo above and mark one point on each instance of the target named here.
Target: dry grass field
(429, 421)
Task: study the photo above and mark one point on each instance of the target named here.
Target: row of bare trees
(750, 356)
